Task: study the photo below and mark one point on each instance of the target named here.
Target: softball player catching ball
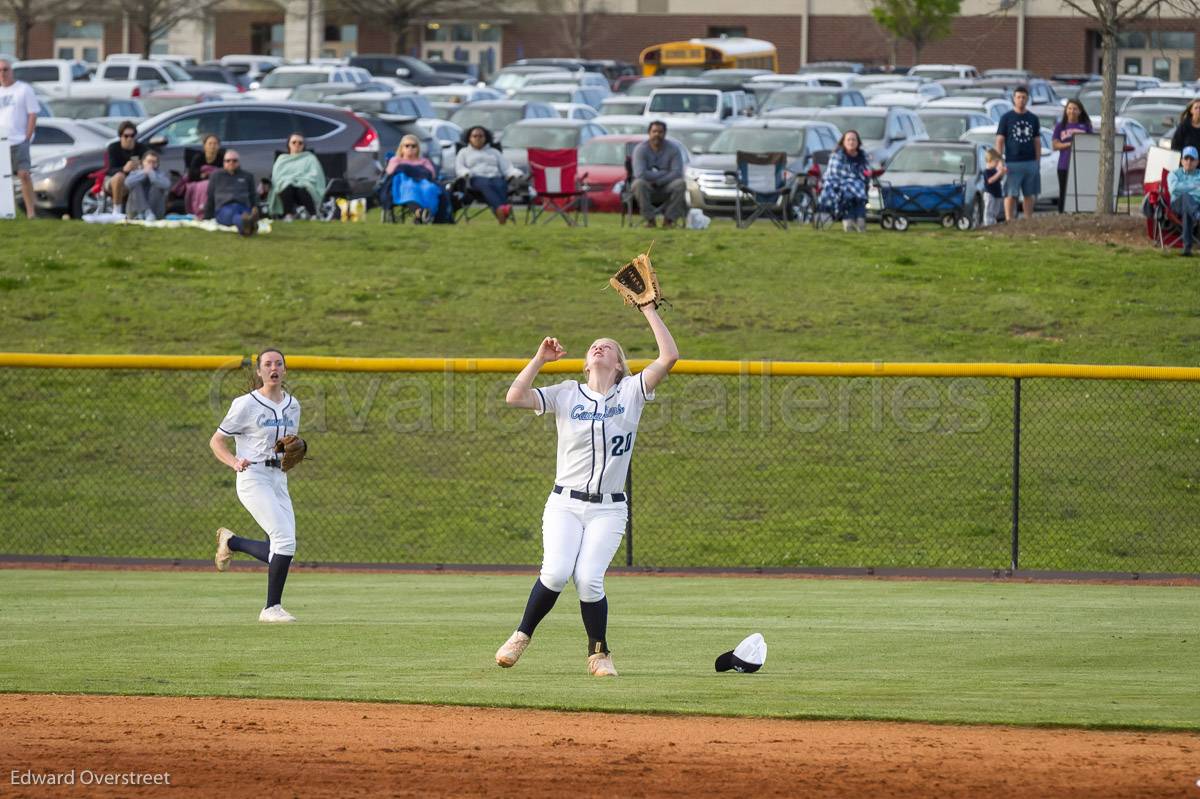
(585, 514)
(257, 421)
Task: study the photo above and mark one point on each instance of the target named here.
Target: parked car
(1158, 120)
(557, 93)
(467, 73)
(839, 80)
(96, 108)
(574, 110)
(447, 137)
(898, 99)
(1177, 97)
(936, 164)
(281, 81)
(883, 131)
(611, 69)
(620, 105)
(160, 101)
(497, 115)
(936, 71)
(644, 86)
(215, 73)
(59, 77)
(985, 136)
(53, 136)
(257, 131)
(1009, 74)
(460, 94)
(1091, 98)
(1041, 92)
(805, 142)
(808, 96)
(512, 78)
(254, 67)
(928, 90)
(166, 73)
(549, 134)
(949, 124)
(408, 68)
(994, 107)
(625, 124)
(413, 104)
(707, 103)
(852, 67)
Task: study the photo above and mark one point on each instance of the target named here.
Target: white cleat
(275, 615)
(601, 665)
(224, 553)
(508, 655)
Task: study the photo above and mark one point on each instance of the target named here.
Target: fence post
(629, 515)
(1016, 474)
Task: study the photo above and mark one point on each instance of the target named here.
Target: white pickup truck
(58, 77)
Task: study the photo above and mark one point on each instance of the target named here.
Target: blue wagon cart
(945, 203)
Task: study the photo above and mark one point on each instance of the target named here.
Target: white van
(701, 103)
(943, 71)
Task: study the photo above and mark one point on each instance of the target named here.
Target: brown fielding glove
(637, 283)
(292, 449)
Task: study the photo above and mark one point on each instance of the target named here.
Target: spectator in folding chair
(487, 171)
(297, 182)
(844, 184)
(123, 156)
(763, 184)
(558, 188)
(193, 187)
(231, 196)
(410, 183)
(148, 188)
(1184, 186)
(658, 177)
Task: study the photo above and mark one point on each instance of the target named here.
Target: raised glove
(292, 450)
(637, 283)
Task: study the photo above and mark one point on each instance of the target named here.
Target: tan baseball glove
(292, 450)
(637, 283)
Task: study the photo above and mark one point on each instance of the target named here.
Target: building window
(716, 31)
(8, 38)
(1133, 66)
(1131, 40)
(78, 29)
(266, 38)
(1162, 68)
(1172, 40)
(1187, 69)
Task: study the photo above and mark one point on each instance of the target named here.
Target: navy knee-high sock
(595, 621)
(277, 572)
(541, 599)
(258, 549)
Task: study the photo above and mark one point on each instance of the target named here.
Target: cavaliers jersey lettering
(596, 432)
(256, 424)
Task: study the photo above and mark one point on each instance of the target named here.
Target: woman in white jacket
(487, 171)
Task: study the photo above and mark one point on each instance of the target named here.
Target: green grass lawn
(1002, 653)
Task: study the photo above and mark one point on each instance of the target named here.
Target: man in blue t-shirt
(1019, 140)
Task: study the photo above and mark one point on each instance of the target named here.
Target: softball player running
(256, 421)
(585, 514)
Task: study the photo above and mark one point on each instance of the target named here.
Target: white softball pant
(579, 540)
(264, 492)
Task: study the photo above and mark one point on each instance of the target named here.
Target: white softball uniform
(256, 423)
(584, 519)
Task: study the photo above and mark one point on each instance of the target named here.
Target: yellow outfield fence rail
(738, 464)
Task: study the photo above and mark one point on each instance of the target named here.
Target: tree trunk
(399, 34)
(23, 26)
(1108, 108)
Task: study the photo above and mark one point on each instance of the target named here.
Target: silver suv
(258, 131)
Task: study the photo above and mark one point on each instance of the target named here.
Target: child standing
(993, 186)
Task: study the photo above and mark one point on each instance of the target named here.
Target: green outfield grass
(996, 653)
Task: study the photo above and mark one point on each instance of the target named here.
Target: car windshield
(78, 109)
(290, 80)
(682, 104)
(868, 127)
(1091, 100)
(792, 99)
(1183, 100)
(934, 74)
(631, 105)
(156, 105)
(547, 138)
(314, 92)
(945, 128)
(493, 119)
(365, 106)
(175, 72)
(543, 97)
(933, 159)
(510, 80)
(602, 153)
(1154, 119)
(697, 141)
(623, 127)
(758, 140)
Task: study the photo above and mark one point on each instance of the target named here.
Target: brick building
(1034, 34)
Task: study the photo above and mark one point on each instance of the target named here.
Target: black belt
(586, 497)
(272, 464)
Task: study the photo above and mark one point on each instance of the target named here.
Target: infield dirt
(235, 748)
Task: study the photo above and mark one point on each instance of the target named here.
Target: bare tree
(27, 13)
(153, 19)
(574, 22)
(1114, 17)
(398, 16)
(918, 22)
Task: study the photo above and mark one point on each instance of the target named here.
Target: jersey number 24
(621, 444)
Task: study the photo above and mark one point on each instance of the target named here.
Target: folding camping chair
(336, 186)
(1163, 225)
(557, 188)
(762, 188)
(629, 206)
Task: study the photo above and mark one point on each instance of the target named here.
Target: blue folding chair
(763, 188)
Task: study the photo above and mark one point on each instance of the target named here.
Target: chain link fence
(729, 471)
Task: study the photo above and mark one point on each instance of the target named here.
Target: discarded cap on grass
(748, 657)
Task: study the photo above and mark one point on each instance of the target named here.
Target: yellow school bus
(696, 55)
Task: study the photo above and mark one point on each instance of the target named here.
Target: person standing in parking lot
(231, 196)
(1074, 120)
(1019, 141)
(658, 177)
(18, 118)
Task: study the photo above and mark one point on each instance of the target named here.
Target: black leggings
(1062, 189)
(293, 196)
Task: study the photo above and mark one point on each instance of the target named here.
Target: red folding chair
(1163, 225)
(557, 187)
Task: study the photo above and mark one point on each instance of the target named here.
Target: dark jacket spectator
(231, 198)
(1187, 133)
